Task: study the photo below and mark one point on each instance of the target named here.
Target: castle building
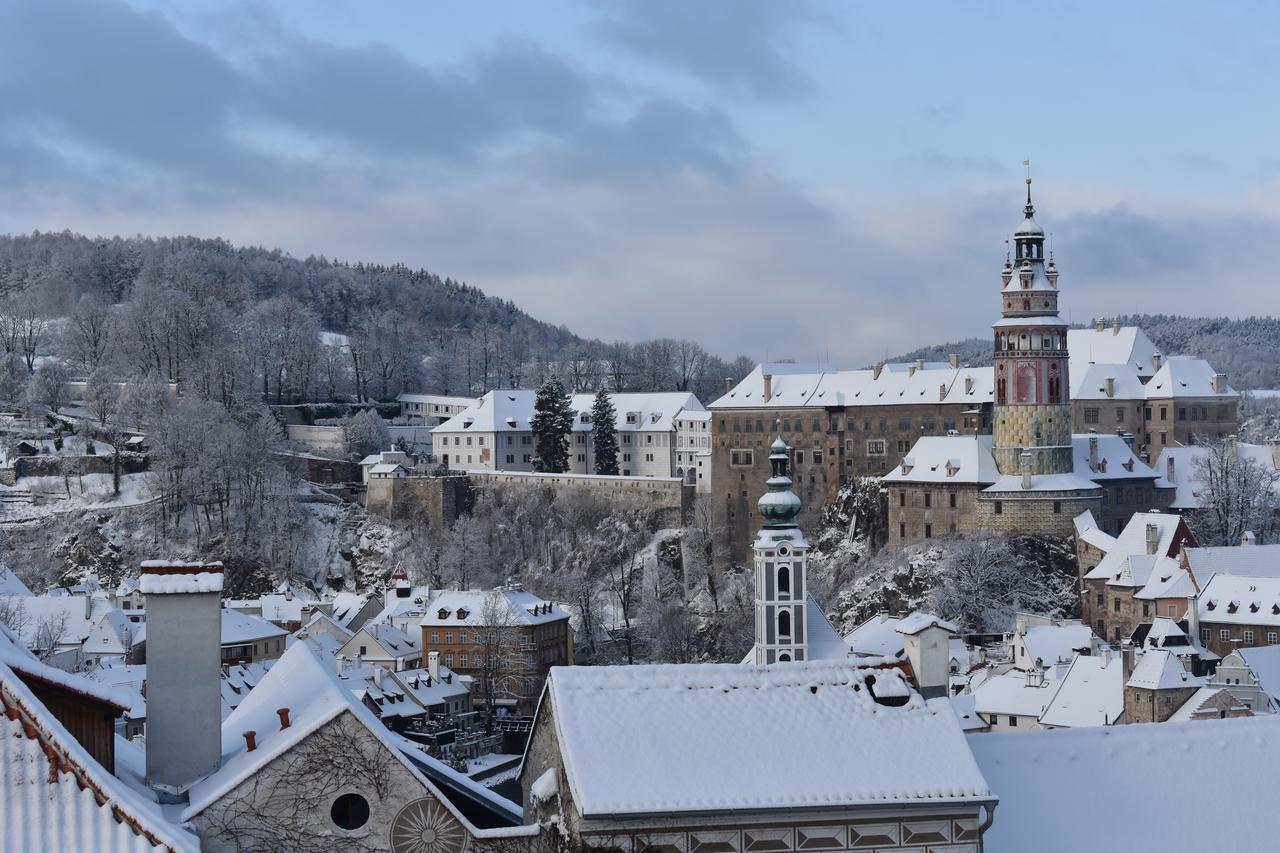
(1032, 474)
(781, 554)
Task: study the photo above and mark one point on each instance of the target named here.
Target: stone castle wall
(1039, 513)
(1043, 430)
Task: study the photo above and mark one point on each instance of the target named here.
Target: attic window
(462, 612)
(1253, 607)
(1212, 605)
(1233, 607)
(442, 613)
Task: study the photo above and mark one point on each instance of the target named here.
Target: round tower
(1032, 409)
(781, 554)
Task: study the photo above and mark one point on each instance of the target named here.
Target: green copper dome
(779, 506)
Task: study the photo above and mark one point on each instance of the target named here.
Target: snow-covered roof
(1013, 693)
(456, 607)
(1165, 632)
(434, 691)
(1133, 540)
(825, 642)
(898, 383)
(238, 680)
(1007, 483)
(16, 656)
(85, 616)
(1254, 561)
(707, 737)
(1039, 282)
(877, 637)
(1240, 600)
(947, 459)
(11, 584)
(1187, 478)
(275, 607)
(1167, 580)
(1185, 376)
(57, 797)
(1087, 529)
(1056, 643)
(346, 606)
(436, 399)
(916, 622)
(1161, 669)
(1210, 696)
(386, 468)
(1264, 663)
(1128, 346)
(1091, 382)
(1090, 693)
(1116, 460)
(309, 687)
(393, 642)
(511, 411)
(169, 584)
(1095, 789)
(240, 628)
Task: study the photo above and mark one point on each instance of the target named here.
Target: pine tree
(604, 434)
(552, 420)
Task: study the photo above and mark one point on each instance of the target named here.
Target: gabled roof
(947, 459)
(877, 637)
(1185, 376)
(57, 797)
(1240, 600)
(1187, 479)
(242, 628)
(1095, 788)
(1052, 644)
(1091, 383)
(810, 386)
(462, 608)
(1208, 697)
(1116, 460)
(1160, 669)
(1167, 582)
(1010, 693)
(1087, 529)
(1133, 540)
(709, 738)
(1264, 663)
(1090, 693)
(391, 640)
(11, 584)
(1128, 346)
(1256, 561)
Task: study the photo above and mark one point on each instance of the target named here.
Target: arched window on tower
(1026, 305)
(784, 582)
(784, 625)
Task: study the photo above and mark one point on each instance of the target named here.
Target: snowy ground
(56, 495)
(72, 445)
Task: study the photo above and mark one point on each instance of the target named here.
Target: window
(902, 531)
(1102, 601)
(1115, 605)
(902, 498)
(952, 500)
(999, 508)
(904, 424)
(817, 457)
(448, 637)
(349, 812)
(362, 650)
(1204, 635)
(928, 531)
(1248, 637)
(1146, 608)
(1057, 507)
(1091, 415)
(511, 458)
(928, 499)
(1119, 414)
(435, 636)
(903, 445)
(875, 448)
(648, 457)
(799, 457)
(1013, 721)
(1164, 413)
(462, 660)
(462, 635)
(1271, 638)
(527, 458)
(784, 624)
(784, 582)
(736, 457)
(1224, 635)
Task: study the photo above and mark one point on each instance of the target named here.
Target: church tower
(781, 553)
(1032, 409)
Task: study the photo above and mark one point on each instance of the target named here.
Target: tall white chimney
(433, 665)
(184, 671)
(768, 387)
(1026, 469)
(1153, 538)
(1093, 453)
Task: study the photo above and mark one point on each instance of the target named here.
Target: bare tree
(503, 663)
(48, 634)
(14, 614)
(1235, 494)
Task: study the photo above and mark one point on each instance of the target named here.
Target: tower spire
(781, 554)
(1029, 210)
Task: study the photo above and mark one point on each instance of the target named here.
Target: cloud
(745, 47)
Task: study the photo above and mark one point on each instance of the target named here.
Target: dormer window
(462, 612)
(442, 613)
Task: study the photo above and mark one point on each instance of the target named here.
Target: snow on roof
(346, 606)
(436, 399)
(1133, 540)
(455, 607)
(393, 642)
(1056, 643)
(1007, 483)
(433, 691)
(1256, 561)
(1240, 600)
(1185, 376)
(1160, 669)
(11, 584)
(242, 628)
(706, 737)
(877, 637)
(1163, 630)
(511, 410)
(947, 459)
(1088, 530)
(16, 656)
(916, 622)
(1167, 581)
(237, 680)
(73, 802)
(79, 626)
(386, 468)
(1090, 693)
(1116, 459)
(198, 582)
(1128, 346)
(1095, 775)
(1264, 663)
(1187, 478)
(1010, 693)
(1090, 383)
(898, 383)
(311, 690)
(1203, 697)
(966, 712)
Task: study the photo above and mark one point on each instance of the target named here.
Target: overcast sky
(808, 178)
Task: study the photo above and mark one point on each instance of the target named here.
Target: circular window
(350, 811)
(782, 552)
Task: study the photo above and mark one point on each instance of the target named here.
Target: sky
(810, 180)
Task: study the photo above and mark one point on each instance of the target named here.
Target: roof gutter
(988, 803)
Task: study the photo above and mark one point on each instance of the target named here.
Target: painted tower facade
(1032, 412)
(781, 554)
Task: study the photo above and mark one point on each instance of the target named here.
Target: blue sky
(815, 178)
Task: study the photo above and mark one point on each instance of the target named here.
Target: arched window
(784, 624)
(784, 582)
(784, 658)
(1026, 305)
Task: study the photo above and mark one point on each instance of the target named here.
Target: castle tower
(1032, 409)
(781, 554)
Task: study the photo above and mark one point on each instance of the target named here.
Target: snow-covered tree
(604, 434)
(366, 433)
(101, 395)
(48, 385)
(1236, 494)
(551, 423)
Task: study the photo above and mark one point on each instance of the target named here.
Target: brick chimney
(728, 384)
(768, 386)
(942, 393)
(1153, 537)
(954, 358)
(1156, 360)
(184, 671)
(1110, 385)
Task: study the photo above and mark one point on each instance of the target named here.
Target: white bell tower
(781, 551)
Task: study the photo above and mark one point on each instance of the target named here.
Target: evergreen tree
(604, 434)
(552, 420)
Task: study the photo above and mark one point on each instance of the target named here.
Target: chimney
(1153, 537)
(919, 364)
(875, 370)
(1126, 661)
(1168, 467)
(250, 741)
(728, 384)
(942, 393)
(1026, 469)
(1093, 453)
(1105, 655)
(283, 714)
(337, 665)
(88, 606)
(968, 385)
(768, 387)
(1156, 358)
(929, 653)
(954, 358)
(184, 672)
(433, 665)
(377, 677)
(1110, 385)
(1099, 324)
(1219, 383)
(1115, 326)
(1248, 538)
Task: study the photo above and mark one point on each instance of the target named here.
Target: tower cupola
(779, 506)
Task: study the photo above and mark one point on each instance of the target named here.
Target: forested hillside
(206, 313)
(1247, 350)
